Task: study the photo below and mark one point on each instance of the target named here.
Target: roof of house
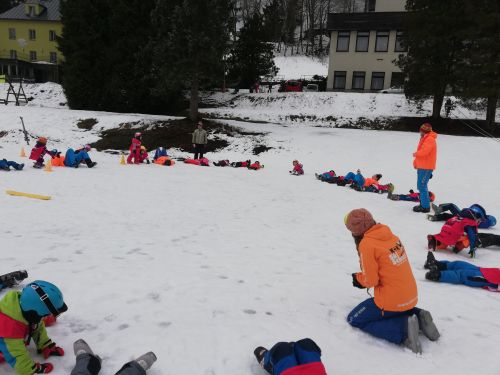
(366, 21)
(50, 13)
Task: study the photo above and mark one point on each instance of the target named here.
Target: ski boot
(431, 242)
(437, 209)
(419, 208)
(10, 279)
(146, 360)
(433, 275)
(412, 342)
(427, 325)
(38, 165)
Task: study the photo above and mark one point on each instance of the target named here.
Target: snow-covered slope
(297, 66)
(324, 108)
(202, 265)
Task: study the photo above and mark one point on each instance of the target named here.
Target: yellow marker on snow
(122, 160)
(48, 166)
(28, 195)
(23, 153)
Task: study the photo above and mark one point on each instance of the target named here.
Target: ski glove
(43, 368)
(52, 350)
(356, 283)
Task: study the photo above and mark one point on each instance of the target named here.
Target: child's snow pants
(87, 364)
(72, 160)
(285, 355)
(459, 272)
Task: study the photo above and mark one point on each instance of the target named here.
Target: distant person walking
(199, 141)
(425, 163)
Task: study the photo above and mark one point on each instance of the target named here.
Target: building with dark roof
(364, 46)
(28, 40)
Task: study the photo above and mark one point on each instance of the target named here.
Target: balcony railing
(43, 58)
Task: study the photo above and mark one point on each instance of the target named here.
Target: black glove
(356, 283)
(43, 368)
(147, 161)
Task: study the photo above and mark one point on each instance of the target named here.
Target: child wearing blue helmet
(446, 211)
(21, 319)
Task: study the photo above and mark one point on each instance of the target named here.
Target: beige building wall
(367, 62)
(390, 5)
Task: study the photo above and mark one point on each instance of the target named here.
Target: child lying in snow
(241, 164)
(5, 165)
(330, 176)
(441, 214)
(411, 197)
(453, 230)
(462, 273)
(204, 162)
(164, 160)
(360, 183)
(298, 168)
(222, 163)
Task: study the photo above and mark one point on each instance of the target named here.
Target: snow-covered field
(296, 66)
(325, 108)
(201, 265)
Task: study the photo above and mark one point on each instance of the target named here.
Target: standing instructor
(199, 141)
(425, 163)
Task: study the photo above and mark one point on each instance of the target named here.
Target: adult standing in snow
(425, 163)
(199, 141)
(391, 314)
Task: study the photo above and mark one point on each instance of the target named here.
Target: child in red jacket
(298, 168)
(39, 151)
(410, 197)
(256, 166)
(291, 358)
(453, 230)
(135, 149)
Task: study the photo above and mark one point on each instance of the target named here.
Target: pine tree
(251, 55)
(85, 67)
(5, 5)
(191, 40)
(479, 68)
(435, 39)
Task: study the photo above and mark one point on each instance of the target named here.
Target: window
(32, 55)
(53, 57)
(12, 33)
(343, 41)
(362, 41)
(399, 46)
(397, 79)
(358, 80)
(378, 80)
(382, 43)
(339, 80)
(13, 54)
(52, 35)
(370, 5)
(32, 34)
(31, 11)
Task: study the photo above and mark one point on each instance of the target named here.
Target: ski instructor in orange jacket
(392, 313)
(425, 163)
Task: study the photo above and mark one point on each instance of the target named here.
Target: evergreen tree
(191, 40)
(251, 55)
(105, 67)
(479, 68)
(85, 69)
(5, 5)
(434, 37)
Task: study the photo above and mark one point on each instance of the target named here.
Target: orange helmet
(42, 140)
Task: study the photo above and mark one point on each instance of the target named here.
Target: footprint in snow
(121, 327)
(164, 324)
(48, 260)
(250, 311)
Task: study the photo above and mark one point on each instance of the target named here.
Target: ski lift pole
(26, 138)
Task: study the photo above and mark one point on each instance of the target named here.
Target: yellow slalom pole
(28, 195)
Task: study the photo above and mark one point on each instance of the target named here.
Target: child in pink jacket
(298, 169)
(135, 149)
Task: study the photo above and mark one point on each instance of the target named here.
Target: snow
(202, 265)
(297, 66)
(325, 108)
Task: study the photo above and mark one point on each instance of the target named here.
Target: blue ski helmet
(478, 210)
(42, 298)
(492, 221)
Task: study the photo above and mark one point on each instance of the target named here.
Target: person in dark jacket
(446, 211)
(199, 141)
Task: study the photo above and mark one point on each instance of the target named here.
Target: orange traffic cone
(23, 153)
(48, 166)
(122, 160)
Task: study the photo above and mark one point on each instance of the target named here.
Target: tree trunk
(491, 111)
(437, 103)
(193, 100)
